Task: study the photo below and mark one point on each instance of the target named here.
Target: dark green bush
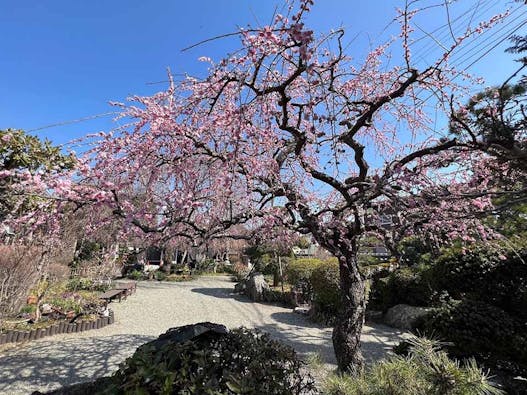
(326, 289)
(87, 250)
(481, 295)
(299, 274)
(240, 362)
(224, 268)
(476, 328)
(205, 266)
(405, 285)
(498, 278)
(414, 251)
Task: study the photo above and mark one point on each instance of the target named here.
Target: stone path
(52, 362)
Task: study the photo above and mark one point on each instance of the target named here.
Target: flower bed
(58, 327)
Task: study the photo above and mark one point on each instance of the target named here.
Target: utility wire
(474, 43)
(106, 114)
(469, 52)
(497, 44)
(442, 32)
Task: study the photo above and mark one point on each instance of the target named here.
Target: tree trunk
(350, 318)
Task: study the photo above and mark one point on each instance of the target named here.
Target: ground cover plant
(426, 370)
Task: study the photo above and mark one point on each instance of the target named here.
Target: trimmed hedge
(299, 271)
(326, 289)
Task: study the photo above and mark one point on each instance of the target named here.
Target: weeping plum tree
(292, 132)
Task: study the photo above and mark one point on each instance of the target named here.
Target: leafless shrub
(58, 271)
(19, 272)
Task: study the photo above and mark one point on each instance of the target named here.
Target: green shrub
(485, 274)
(425, 371)
(299, 274)
(205, 266)
(325, 282)
(160, 276)
(78, 283)
(28, 309)
(135, 275)
(476, 328)
(414, 250)
(405, 285)
(224, 268)
(85, 284)
(66, 304)
(240, 362)
(87, 250)
(299, 271)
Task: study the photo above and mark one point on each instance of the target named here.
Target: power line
(74, 121)
(497, 44)
(476, 42)
(487, 49)
(469, 52)
(442, 31)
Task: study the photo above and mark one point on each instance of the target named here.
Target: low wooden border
(17, 336)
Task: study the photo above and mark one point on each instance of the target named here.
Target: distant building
(310, 251)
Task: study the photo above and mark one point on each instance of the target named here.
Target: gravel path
(60, 360)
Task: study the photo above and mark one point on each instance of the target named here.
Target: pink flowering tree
(291, 132)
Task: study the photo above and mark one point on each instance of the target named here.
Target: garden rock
(184, 333)
(304, 310)
(403, 316)
(46, 308)
(257, 287)
(240, 287)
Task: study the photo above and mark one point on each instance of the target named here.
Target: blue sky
(65, 60)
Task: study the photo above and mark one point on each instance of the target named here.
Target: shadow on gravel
(376, 341)
(47, 365)
(304, 342)
(223, 293)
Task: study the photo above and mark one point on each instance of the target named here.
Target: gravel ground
(60, 360)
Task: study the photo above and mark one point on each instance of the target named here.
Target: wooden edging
(14, 336)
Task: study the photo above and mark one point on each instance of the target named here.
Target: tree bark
(350, 318)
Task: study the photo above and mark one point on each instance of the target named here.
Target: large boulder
(404, 316)
(187, 332)
(256, 288)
